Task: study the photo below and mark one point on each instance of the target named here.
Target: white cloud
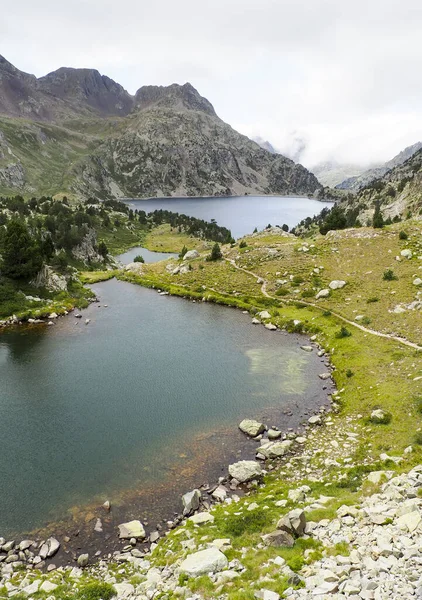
(342, 75)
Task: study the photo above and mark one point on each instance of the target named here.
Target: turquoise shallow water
(148, 394)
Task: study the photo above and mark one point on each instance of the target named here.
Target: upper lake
(240, 214)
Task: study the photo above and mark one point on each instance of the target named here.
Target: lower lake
(138, 406)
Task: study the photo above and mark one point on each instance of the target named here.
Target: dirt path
(388, 336)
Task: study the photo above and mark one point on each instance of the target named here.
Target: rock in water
(205, 561)
(191, 501)
(132, 529)
(251, 427)
(245, 470)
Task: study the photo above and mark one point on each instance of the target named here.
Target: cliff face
(84, 134)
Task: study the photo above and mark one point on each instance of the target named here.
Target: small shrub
(96, 591)
(237, 525)
(366, 321)
(349, 373)
(282, 291)
(243, 244)
(215, 253)
(343, 332)
(139, 258)
(418, 402)
(372, 299)
(389, 275)
(403, 235)
(418, 438)
(307, 294)
(297, 279)
(326, 313)
(183, 252)
(383, 418)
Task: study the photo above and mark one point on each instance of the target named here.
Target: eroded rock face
(203, 562)
(50, 280)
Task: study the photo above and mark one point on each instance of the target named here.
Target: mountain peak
(175, 96)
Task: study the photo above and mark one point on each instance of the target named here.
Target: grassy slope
(381, 373)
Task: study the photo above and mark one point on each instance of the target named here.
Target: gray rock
(294, 522)
(191, 254)
(203, 562)
(273, 434)
(49, 548)
(132, 529)
(83, 560)
(322, 294)
(251, 427)
(337, 284)
(191, 501)
(245, 470)
(278, 538)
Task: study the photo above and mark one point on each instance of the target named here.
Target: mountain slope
(356, 183)
(83, 134)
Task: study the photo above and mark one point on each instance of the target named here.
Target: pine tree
(21, 256)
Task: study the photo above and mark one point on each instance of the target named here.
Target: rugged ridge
(78, 132)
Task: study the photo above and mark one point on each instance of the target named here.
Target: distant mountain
(356, 183)
(332, 173)
(265, 144)
(78, 132)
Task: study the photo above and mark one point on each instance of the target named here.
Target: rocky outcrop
(50, 280)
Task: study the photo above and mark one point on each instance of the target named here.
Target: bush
(237, 525)
(96, 591)
(183, 252)
(418, 403)
(243, 244)
(343, 332)
(349, 373)
(418, 438)
(389, 275)
(372, 299)
(307, 294)
(383, 418)
(282, 291)
(403, 235)
(139, 258)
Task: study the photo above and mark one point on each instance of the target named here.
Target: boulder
(315, 420)
(380, 416)
(278, 538)
(202, 517)
(135, 267)
(264, 314)
(47, 586)
(251, 427)
(322, 294)
(337, 284)
(275, 449)
(132, 529)
(47, 278)
(417, 281)
(203, 562)
(49, 548)
(191, 501)
(406, 253)
(191, 254)
(274, 434)
(294, 522)
(245, 470)
(270, 326)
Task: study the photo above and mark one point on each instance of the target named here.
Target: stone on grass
(202, 517)
(132, 529)
(380, 416)
(264, 314)
(294, 522)
(47, 586)
(203, 562)
(245, 470)
(278, 539)
(191, 254)
(337, 284)
(322, 294)
(251, 427)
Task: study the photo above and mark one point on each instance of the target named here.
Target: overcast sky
(345, 76)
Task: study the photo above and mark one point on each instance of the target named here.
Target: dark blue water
(240, 214)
